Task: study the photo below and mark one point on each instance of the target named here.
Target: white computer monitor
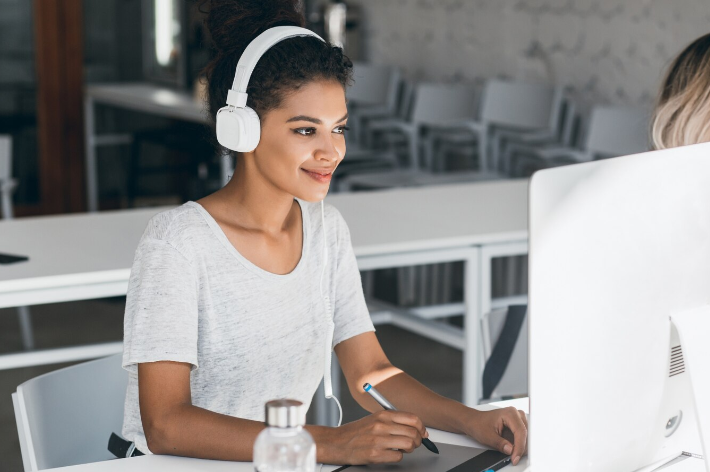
(617, 248)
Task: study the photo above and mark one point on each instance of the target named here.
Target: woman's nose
(331, 149)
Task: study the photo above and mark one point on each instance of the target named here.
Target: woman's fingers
(407, 432)
(388, 456)
(407, 419)
(512, 420)
(383, 437)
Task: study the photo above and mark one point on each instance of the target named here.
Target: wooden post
(58, 32)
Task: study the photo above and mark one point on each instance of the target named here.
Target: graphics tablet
(450, 459)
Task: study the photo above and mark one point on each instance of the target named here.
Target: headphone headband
(237, 95)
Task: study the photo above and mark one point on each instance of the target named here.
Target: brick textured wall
(610, 51)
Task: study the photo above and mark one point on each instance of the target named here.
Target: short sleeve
(351, 316)
(161, 318)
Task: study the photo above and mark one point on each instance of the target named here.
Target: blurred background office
(101, 108)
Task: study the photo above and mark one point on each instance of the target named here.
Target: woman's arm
(363, 361)
(172, 425)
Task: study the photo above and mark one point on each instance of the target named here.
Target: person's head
(682, 114)
(297, 89)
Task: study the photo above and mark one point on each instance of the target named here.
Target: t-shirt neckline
(222, 237)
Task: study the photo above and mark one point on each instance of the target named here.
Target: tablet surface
(422, 460)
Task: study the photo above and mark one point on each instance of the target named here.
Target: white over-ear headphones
(238, 126)
(239, 129)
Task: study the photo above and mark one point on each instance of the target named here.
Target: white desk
(85, 256)
(182, 464)
(142, 97)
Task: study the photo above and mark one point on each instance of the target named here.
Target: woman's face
(302, 142)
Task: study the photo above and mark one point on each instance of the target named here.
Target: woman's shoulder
(176, 226)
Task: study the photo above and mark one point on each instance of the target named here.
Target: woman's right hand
(381, 437)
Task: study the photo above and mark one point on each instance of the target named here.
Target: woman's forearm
(407, 394)
(187, 430)
(195, 432)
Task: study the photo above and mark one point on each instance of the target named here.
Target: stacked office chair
(611, 131)
(435, 105)
(509, 110)
(66, 417)
(525, 144)
(7, 187)
(380, 132)
(372, 95)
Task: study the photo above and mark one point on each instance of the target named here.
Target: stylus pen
(382, 401)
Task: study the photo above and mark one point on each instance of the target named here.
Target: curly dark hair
(286, 67)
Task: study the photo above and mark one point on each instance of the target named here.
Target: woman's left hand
(505, 429)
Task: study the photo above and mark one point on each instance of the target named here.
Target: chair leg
(28, 341)
(413, 148)
(429, 149)
(483, 151)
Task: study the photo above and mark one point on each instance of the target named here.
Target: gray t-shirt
(250, 335)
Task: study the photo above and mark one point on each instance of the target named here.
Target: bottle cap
(285, 413)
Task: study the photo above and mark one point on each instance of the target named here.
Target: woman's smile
(320, 175)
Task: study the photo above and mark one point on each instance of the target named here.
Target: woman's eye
(341, 129)
(305, 131)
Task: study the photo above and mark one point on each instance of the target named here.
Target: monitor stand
(693, 328)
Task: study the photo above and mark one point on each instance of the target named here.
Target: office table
(141, 97)
(87, 256)
(179, 464)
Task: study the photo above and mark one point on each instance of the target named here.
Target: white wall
(611, 51)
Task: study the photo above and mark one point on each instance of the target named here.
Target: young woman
(682, 114)
(224, 309)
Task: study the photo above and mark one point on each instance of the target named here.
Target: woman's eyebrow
(312, 120)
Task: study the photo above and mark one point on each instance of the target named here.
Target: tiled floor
(102, 320)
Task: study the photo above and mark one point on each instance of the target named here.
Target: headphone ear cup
(238, 129)
(252, 129)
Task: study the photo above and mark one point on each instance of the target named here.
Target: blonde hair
(682, 114)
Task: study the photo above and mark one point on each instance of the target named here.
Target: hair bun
(233, 24)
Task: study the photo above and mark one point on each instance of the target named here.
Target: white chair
(611, 131)
(372, 95)
(508, 109)
(435, 105)
(514, 380)
(380, 133)
(7, 187)
(568, 135)
(66, 417)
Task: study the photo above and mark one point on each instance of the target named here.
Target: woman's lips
(319, 177)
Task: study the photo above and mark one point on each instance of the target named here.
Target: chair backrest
(506, 332)
(66, 417)
(617, 131)
(405, 100)
(374, 84)
(523, 105)
(440, 104)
